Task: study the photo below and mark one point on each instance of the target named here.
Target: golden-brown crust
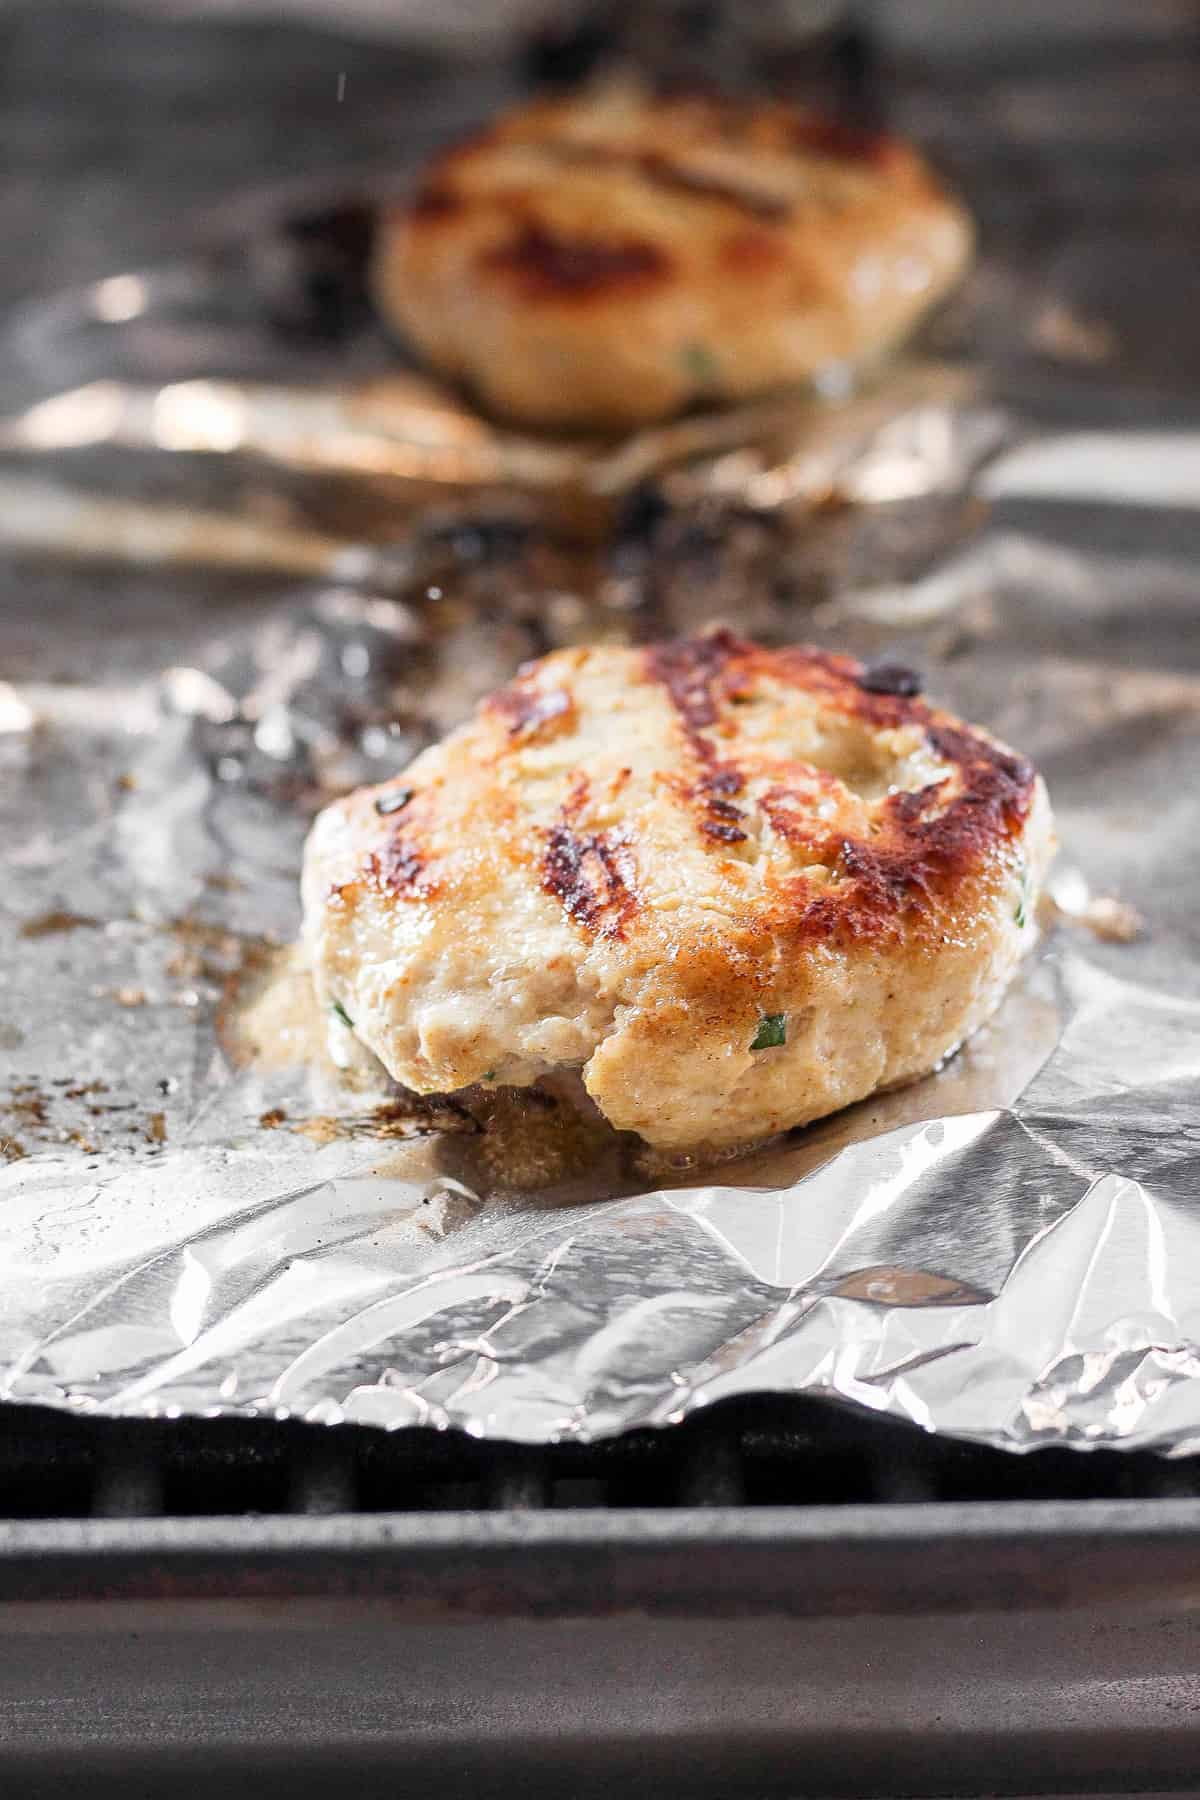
(916, 855)
(630, 857)
(916, 851)
(608, 256)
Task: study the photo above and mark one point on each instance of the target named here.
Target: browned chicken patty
(736, 888)
(610, 258)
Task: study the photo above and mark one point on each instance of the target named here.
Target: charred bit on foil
(408, 1116)
(56, 921)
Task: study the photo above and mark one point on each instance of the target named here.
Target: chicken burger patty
(736, 888)
(609, 258)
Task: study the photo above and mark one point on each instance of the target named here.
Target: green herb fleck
(489, 1074)
(1021, 915)
(700, 364)
(342, 1014)
(772, 1031)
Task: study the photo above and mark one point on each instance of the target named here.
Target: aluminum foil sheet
(243, 579)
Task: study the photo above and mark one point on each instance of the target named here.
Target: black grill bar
(324, 1479)
(760, 1451)
(711, 1472)
(518, 1479)
(128, 1481)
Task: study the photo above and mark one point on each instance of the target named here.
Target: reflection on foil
(398, 426)
(1128, 468)
(200, 1213)
(980, 1272)
(50, 519)
(404, 428)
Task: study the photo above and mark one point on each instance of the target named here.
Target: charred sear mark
(530, 711)
(592, 875)
(725, 833)
(434, 203)
(887, 880)
(848, 143)
(662, 172)
(724, 779)
(920, 856)
(687, 668)
(552, 266)
(908, 808)
(722, 820)
(789, 820)
(926, 842)
(826, 676)
(997, 788)
(399, 868)
(795, 818)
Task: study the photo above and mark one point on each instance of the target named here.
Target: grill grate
(762, 1451)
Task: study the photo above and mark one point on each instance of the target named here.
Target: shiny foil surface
(244, 577)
